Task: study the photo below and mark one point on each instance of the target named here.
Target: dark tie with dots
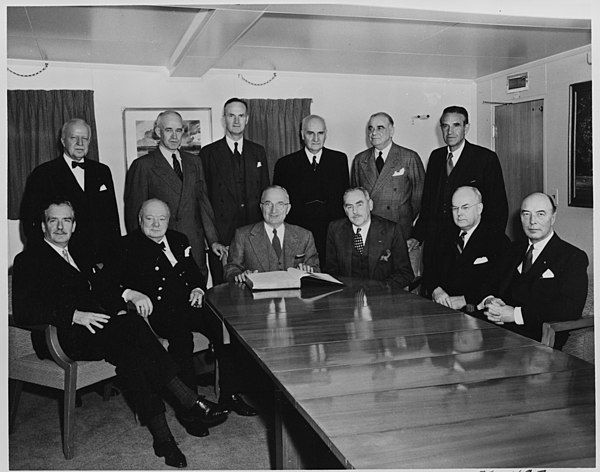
(449, 164)
(162, 246)
(379, 162)
(314, 163)
(276, 243)
(528, 259)
(358, 242)
(460, 244)
(177, 167)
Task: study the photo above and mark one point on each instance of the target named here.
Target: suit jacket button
(159, 297)
(243, 205)
(160, 288)
(156, 268)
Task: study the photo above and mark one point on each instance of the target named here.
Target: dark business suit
(315, 195)
(396, 192)
(553, 289)
(468, 273)
(477, 167)
(233, 191)
(47, 289)
(151, 176)
(96, 213)
(385, 248)
(252, 250)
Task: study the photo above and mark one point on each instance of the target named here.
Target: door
(519, 143)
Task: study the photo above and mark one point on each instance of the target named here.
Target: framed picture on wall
(139, 136)
(580, 145)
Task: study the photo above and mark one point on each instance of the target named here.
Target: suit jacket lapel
(290, 246)
(374, 244)
(346, 243)
(260, 244)
(65, 175)
(367, 163)
(224, 166)
(163, 170)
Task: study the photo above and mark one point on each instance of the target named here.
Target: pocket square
(187, 251)
(399, 172)
(548, 274)
(480, 260)
(259, 164)
(299, 256)
(103, 188)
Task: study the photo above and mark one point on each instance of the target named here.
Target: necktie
(276, 243)
(65, 254)
(314, 163)
(236, 153)
(460, 244)
(527, 260)
(449, 164)
(162, 246)
(177, 167)
(77, 164)
(358, 242)
(379, 162)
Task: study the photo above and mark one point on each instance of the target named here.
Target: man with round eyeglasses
(271, 244)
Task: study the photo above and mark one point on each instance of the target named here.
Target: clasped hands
(497, 311)
(440, 296)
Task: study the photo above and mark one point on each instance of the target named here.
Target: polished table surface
(388, 379)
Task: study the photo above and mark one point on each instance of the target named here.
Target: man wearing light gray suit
(393, 175)
(271, 245)
(177, 178)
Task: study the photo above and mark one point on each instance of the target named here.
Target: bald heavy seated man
(543, 279)
(271, 244)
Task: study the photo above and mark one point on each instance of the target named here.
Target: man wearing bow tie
(87, 184)
(177, 178)
(237, 173)
(468, 256)
(543, 279)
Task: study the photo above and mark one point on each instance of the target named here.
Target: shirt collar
(540, 245)
(168, 153)
(230, 143)
(364, 229)
(384, 152)
(456, 154)
(68, 159)
(310, 155)
(280, 231)
(58, 249)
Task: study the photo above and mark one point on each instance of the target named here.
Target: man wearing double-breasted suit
(236, 173)
(177, 178)
(86, 184)
(271, 244)
(393, 175)
(544, 278)
(367, 246)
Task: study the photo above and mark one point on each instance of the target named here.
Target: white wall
(550, 80)
(344, 101)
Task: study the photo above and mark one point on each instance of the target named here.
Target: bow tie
(77, 164)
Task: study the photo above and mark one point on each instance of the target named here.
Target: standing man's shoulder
(145, 161)
(479, 151)
(333, 154)
(403, 151)
(213, 148)
(363, 155)
(252, 146)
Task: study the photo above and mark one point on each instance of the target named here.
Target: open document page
(284, 279)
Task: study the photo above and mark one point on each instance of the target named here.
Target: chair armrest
(12, 322)
(549, 330)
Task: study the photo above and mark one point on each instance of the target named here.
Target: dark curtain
(276, 125)
(35, 118)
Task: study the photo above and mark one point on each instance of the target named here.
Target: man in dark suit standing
(455, 165)
(468, 257)
(57, 284)
(393, 175)
(315, 178)
(271, 244)
(366, 246)
(544, 278)
(177, 178)
(158, 263)
(237, 173)
(87, 184)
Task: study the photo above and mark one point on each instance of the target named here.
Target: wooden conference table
(387, 379)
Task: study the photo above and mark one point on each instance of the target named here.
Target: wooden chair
(581, 338)
(60, 373)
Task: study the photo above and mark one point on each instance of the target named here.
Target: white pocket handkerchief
(399, 172)
(187, 251)
(480, 260)
(259, 164)
(548, 274)
(103, 188)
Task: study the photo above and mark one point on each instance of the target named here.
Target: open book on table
(285, 279)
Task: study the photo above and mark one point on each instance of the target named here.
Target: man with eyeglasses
(393, 175)
(468, 255)
(271, 244)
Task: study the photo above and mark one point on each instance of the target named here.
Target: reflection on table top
(391, 380)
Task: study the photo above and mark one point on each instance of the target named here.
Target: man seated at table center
(543, 279)
(365, 245)
(271, 244)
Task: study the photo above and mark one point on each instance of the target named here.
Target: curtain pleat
(35, 118)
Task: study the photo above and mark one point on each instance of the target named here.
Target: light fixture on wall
(423, 116)
(258, 84)
(42, 55)
(259, 64)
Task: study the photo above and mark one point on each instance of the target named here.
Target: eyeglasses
(269, 205)
(463, 207)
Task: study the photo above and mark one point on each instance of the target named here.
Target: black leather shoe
(169, 450)
(236, 403)
(193, 426)
(207, 412)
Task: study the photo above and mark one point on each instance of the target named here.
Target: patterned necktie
(276, 244)
(314, 163)
(358, 241)
(460, 244)
(65, 254)
(527, 260)
(177, 167)
(379, 162)
(449, 164)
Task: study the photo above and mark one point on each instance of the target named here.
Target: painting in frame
(140, 138)
(580, 146)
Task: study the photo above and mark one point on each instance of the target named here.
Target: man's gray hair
(75, 121)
